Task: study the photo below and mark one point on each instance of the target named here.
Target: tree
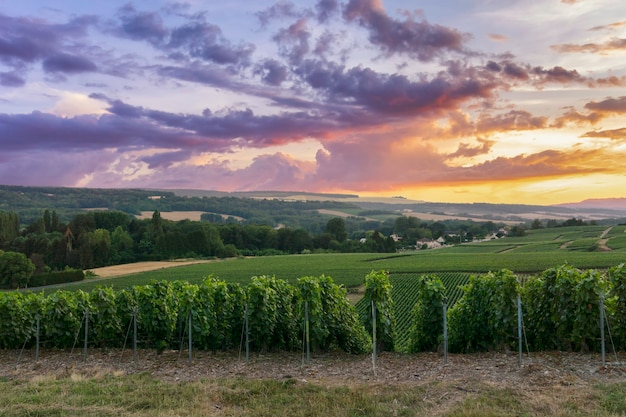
(15, 270)
(47, 221)
(337, 229)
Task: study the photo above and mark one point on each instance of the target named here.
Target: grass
(143, 395)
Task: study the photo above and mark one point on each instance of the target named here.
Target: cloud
(272, 72)
(392, 94)
(609, 105)
(67, 63)
(466, 150)
(498, 37)
(325, 9)
(11, 79)
(204, 40)
(574, 117)
(415, 38)
(280, 10)
(615, 44)
(513, 120)
(24, 41)
(146, 26)
(537, 75)
(294, 41)
(610, 26)
(196, 38)
(615, 134)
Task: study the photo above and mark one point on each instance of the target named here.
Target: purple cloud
(141, 25)
(11, 79)
(67, 63)
(294, 41)
(325, 9)
(279, 10)
(392, 94)
(416, 38)
(272, 72)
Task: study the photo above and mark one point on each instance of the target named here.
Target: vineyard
(562, 307)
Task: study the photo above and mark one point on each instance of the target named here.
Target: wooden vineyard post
(306, 332)
(86, 334)
(247, 335)
(190, 339)
(519, 327)
(445, 331)
(374, 336)
(135, 334)
(37, 321)
(602, 341)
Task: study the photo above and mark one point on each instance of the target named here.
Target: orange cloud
(615, 44)
(610, 26)
(497, 37)
(615, 134)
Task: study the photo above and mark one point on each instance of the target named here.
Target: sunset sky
(450, 100)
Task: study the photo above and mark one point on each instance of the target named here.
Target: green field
(540, 250)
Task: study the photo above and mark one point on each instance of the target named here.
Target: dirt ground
(126, 269)
(537, 369)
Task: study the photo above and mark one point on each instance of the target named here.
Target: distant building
(427, 244)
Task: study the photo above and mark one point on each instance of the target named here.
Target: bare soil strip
(538, 370)
(134, 268)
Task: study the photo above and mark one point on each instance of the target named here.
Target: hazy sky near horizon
(522, 101)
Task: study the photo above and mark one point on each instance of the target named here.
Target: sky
(517, 101)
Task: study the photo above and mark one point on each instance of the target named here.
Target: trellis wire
(130, 324)
(77, 334)
(245, 330)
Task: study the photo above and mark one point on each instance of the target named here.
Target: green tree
(15, 270)
(47, 221)
(337, 229)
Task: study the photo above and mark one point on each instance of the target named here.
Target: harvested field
(134, 268)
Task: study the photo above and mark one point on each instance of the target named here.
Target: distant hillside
(599, 203)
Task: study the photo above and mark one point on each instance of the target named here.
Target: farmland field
(540, 250)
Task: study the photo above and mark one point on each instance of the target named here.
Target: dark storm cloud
(67, 63)
(416, 38)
